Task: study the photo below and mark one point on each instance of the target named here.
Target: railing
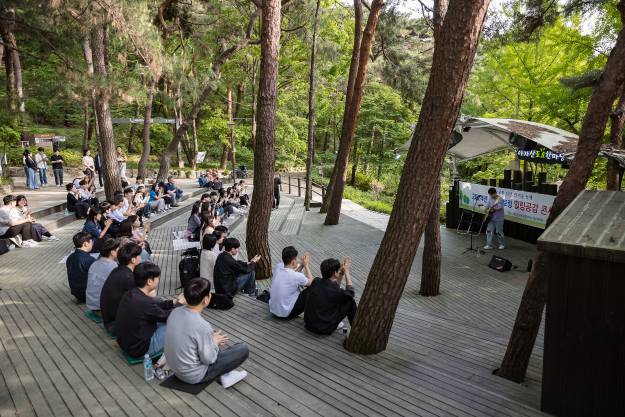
(300, 184)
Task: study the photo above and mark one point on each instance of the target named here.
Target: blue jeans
(247, 282)
(157, 342)
(43, 176)
(495, 226)
(30, 179)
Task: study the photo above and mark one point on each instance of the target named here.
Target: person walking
(57, 161)
(42, 165)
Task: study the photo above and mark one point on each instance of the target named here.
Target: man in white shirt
(42, 164)
(286, 299)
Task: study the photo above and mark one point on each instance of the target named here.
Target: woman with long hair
(208, 257)
(23, 210)
(93, 226)
(194, 223)
(121, 161)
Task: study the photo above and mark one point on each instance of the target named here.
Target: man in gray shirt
(193, 349)
(99, 271)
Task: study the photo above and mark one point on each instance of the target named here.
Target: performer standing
(495, 210)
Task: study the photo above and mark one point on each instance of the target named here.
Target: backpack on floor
(189, 267)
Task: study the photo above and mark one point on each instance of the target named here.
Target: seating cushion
(93, 316)
(174, 383)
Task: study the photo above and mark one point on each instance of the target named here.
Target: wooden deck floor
(54, 361)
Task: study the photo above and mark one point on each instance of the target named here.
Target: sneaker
(488, 247)
(54, 238)
(32, 242)
(17, 241)
(340, 326)
(501, 247)
(229, 379)
(27, 244)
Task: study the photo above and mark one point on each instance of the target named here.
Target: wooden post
(289, 184)
(323, 192)
(299, 185)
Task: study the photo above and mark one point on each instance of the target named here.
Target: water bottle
(148, 369)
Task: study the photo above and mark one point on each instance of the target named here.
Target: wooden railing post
(289, 184)
(299, 187)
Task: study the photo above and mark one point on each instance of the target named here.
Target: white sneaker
(17, 241)
(32, 242)
(54, 238)
(27, 244)
(231, 378)
(340, 326)
(502, 247)
(488, 247)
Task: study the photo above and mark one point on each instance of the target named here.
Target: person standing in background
(277, 184)
(98, 168)
(42, 165)
(31, 170)
(57, 168)
(121, 162)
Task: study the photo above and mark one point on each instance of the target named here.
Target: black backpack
(189, 266)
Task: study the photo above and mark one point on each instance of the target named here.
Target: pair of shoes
(340, 326)
(53, 238)
(501, 247)
(229, 379)
(29, 243)
(488, 247)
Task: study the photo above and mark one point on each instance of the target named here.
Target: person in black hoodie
(232, 276)
(327, 303)
(141, 317)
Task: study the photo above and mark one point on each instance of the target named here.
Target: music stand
(470, 225)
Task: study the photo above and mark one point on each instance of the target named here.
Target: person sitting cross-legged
(78, 264)
(232, 276)
(99, 272)
(120, 280)
(193, 350)
(286, 299)
(141, 316)
(13, 227)
(327, 303)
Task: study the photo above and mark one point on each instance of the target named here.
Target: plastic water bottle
(148, 369)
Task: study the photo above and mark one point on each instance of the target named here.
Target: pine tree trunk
(133, 131)
(14, 74)
(88, 56)
(349, 92)
(311, 111)
(617, 121)
(223, 163)
(431, 261)
(335, 194)
(142, 168)
(254, 103)
(110, 171)
(10, 71)
(232, 150)
(195, 144)
(355, 160)
(448, 77)
(529, 315)
(257, 242)
(365, 168)
(381, 156)
(86, 126)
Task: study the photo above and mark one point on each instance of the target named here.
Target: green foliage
(9, 135)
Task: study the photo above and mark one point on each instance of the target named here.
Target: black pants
(24, 229)
(276, 198)
(100, 177)
(300, 304)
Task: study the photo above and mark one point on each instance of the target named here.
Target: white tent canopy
(481, 136)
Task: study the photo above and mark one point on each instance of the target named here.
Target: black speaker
(499, 264)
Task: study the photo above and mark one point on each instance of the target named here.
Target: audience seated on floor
(39, 231)
(74, 205)
(86, 193)
(117, 208)
(78, 264)
(99, 272)
(141, 316)
(287, 301)
(173, 190)
(13, 227)
(208, 257)
(130, 229)
(327, 303)
(93, 227)
(119, 281)
(194, 224)
(193, 350)
(232, 276)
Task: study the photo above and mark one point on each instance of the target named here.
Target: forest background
(538, 77)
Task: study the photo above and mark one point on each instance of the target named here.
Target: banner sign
(541, 155)
(531, 209)
(199, 157)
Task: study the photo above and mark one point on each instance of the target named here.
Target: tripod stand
(468, 231)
